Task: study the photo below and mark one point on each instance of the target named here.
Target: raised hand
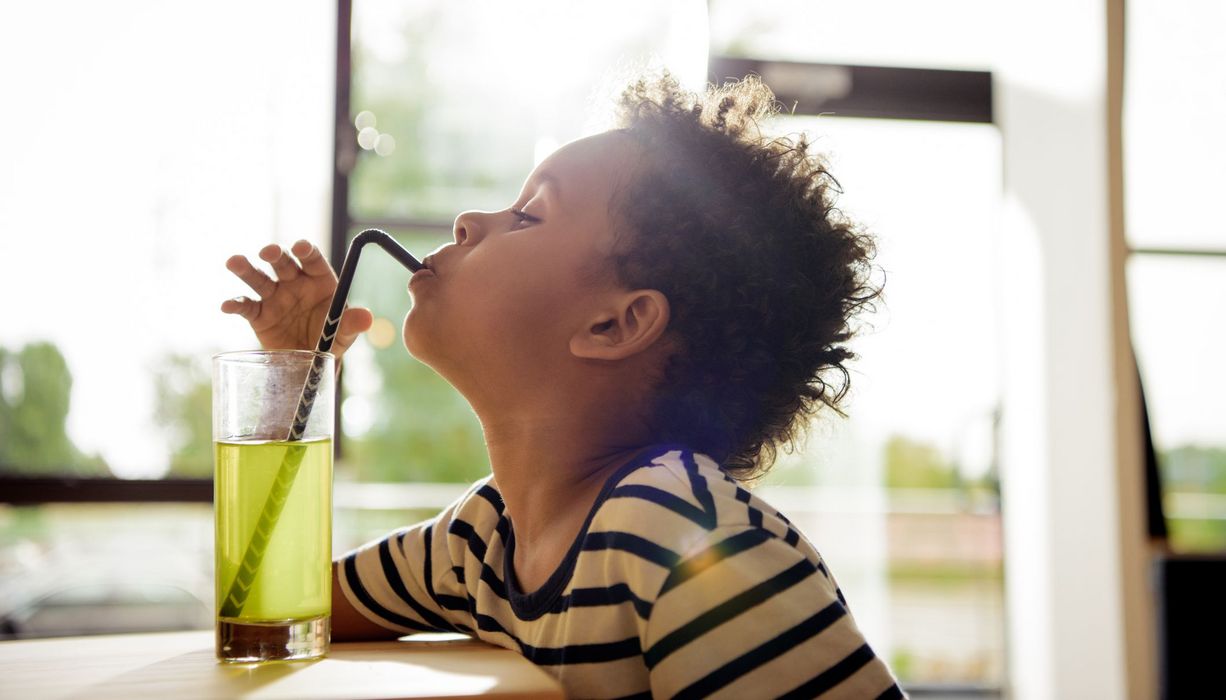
(290, 310)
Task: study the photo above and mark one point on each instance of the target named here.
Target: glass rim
(259, 355)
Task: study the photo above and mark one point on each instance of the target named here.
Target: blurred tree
(427, 432)
(35, 389)
(911, 464)
(455, 149)
(184, 400)
(1196, 470)
(423, 429)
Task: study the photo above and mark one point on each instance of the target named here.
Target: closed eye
(523, 218)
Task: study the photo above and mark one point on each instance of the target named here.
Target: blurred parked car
(105, 608)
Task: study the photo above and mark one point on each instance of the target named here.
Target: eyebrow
(556, 189)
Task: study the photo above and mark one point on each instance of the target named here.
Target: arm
(749, 615)
(348, 625)
(406, 582)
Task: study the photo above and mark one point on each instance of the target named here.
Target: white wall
(1062, 516)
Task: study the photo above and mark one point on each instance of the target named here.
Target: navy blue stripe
(392, 574)
(792, 537)
(712, 555)
(355, 584)
(755, 515)
(668, 500)
(454, 602)
(490, 494)
(892, 693)
(763, 653)
(596, 597)
(462, 529)
(491, 579)
(572, 654)
(702, 492)
(727, 610)
(626, 542)
(442, 600)
(428, 568)
(834, 675)
(583, 653)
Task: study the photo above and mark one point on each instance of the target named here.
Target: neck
(550, 467)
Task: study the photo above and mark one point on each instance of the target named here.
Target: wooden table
(181, 666)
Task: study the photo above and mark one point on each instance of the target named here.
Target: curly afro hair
(764, 275)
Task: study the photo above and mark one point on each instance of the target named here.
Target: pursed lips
(427, 270)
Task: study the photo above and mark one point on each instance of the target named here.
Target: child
(663, 306)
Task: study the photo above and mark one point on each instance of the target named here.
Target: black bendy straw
(236, 598)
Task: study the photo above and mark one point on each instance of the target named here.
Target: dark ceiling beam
(867, 91)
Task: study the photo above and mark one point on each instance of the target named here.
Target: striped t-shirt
(680, 584)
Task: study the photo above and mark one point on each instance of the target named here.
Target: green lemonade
(294, 579)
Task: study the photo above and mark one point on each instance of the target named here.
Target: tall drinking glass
(272, 505)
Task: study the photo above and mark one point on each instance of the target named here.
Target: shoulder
(681, 497)
(480, 503)
(472, 520)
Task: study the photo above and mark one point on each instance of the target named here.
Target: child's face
(504, 300)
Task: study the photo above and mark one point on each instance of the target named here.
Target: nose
(467, 228)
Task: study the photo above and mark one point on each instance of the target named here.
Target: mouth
(426, 270)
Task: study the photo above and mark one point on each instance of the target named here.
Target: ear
(629, 326)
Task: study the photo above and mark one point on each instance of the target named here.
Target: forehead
(584, 174)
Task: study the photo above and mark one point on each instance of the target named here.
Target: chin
(419, 340)
(412, 343)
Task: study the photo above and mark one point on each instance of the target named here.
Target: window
(128, 181)
(1177, 271)
(210, 153)
(472, 95)
(144, 144)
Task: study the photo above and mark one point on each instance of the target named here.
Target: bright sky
(151, 141)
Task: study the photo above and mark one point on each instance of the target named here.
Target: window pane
(1176, 305)
(95, 569)
(921, 559)
(134, 165)
(928, 549)
(70, 569)
(401, 421)
(1173, 114)
(474, 93)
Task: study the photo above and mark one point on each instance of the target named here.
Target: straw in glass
(236, 598)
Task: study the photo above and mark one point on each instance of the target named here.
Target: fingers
(311, 258)
(354, 322)
(242, 306)
(282, 263)
(259, 282)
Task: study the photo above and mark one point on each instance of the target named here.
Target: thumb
(354, 322)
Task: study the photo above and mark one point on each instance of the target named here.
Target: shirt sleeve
(746, 614)
(406, 580)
